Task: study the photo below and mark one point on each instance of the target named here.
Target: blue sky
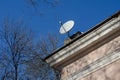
(44, 20)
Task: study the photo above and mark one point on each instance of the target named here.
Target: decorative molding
(98, 64)
(103, 31)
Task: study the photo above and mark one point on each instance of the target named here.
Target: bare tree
(37, 67)
(16, 43)
(36, 3)
(4, 63)
(45, 46)
(18, 55)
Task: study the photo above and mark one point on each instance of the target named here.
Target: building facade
(93, 55)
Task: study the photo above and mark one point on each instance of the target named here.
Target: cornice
(103, 31)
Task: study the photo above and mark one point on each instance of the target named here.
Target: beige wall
(109, 45)
(110, 72)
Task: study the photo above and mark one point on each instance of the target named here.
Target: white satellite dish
(66, 27)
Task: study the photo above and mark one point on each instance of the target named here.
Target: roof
(95, 27)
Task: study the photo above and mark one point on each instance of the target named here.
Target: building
(93, 55)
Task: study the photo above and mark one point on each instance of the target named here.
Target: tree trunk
(16, 72)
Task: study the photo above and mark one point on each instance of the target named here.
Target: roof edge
(90, 30)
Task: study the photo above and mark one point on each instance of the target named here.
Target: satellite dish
(66, 27)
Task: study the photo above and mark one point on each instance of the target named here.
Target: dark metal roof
(97, 26)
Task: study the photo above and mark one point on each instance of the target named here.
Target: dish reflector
(66, 27)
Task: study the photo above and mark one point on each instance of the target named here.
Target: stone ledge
(108, 27)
